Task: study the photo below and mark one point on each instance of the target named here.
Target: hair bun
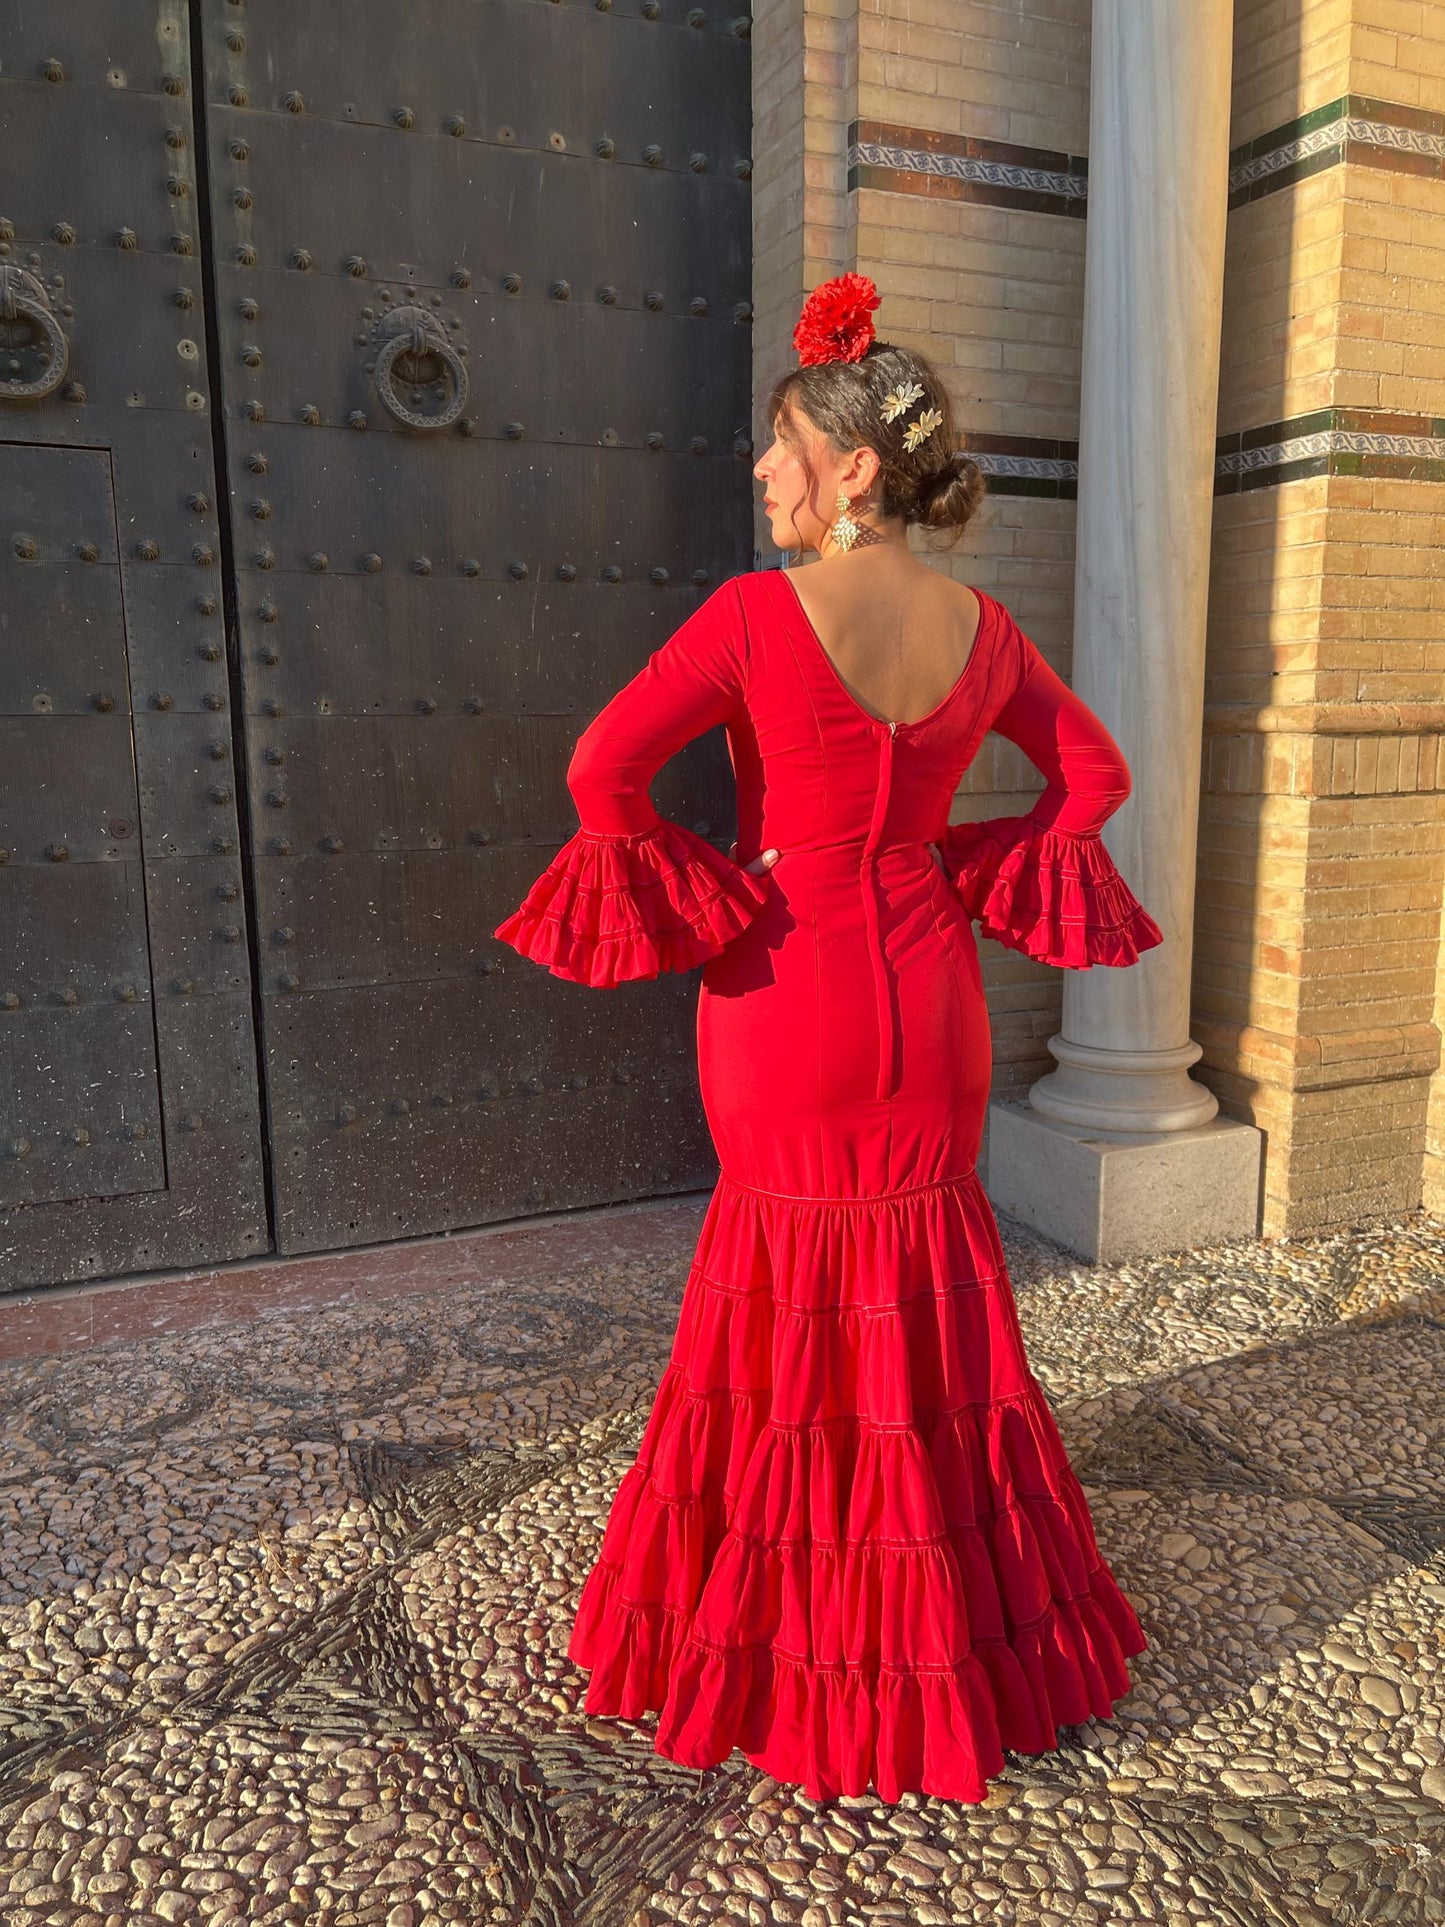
(949, 497)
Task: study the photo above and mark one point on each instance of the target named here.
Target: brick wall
(1317, 925)
(939, 146)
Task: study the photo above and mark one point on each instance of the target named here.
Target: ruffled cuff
(1055, 895)
(615, 908)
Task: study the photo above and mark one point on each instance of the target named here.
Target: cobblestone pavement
(284, 1604)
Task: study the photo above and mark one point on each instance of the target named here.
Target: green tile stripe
(1332, 441)
(1348, 106)
(1356, 127)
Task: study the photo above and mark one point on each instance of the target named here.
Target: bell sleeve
(632, 894)
(1043, 883)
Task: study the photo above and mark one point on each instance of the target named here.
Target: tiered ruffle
(1053, 894)
(612, 908)
(851, 1543)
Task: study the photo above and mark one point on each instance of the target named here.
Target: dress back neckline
(885, 722)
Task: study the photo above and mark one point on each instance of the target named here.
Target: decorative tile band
(965, 167)
(914, 160)
(1356, 128)
(1299, 447)
(1374, 133)
(1332, 441)
(1027, 465)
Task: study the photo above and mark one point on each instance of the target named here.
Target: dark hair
(935, 485)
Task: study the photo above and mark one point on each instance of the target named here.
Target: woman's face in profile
(793, 501)
(802, 506)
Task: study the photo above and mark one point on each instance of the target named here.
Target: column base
(1112, 1195)
(1099, 1088)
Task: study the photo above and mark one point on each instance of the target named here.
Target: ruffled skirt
(851, 1543)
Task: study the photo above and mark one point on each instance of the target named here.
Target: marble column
(1119, 1151)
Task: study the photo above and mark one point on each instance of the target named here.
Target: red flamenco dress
(851, 1543)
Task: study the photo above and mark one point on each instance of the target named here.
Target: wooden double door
(374, 397)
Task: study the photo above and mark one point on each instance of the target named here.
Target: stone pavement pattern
(284, 1606)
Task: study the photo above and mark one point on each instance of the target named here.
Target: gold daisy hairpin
(900, 400)
(919, 430)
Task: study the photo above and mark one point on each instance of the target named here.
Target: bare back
(898, 633)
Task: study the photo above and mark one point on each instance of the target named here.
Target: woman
(851, 1543)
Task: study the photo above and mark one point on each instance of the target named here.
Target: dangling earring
(845, 531)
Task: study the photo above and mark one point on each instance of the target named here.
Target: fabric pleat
(616, 908)
(851, 1543)
(1052, 894)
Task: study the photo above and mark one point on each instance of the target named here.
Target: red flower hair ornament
(837, 320)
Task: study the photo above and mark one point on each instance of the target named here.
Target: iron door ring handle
(415, 333)
(22, 296)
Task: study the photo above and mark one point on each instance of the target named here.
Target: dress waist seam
(872, 1197)
(857, 846)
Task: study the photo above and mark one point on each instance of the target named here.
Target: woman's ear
(862, 471)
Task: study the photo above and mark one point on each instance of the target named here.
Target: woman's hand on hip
(760, 865)
(768, 858)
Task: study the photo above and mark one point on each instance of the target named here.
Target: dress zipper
(883, 997)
